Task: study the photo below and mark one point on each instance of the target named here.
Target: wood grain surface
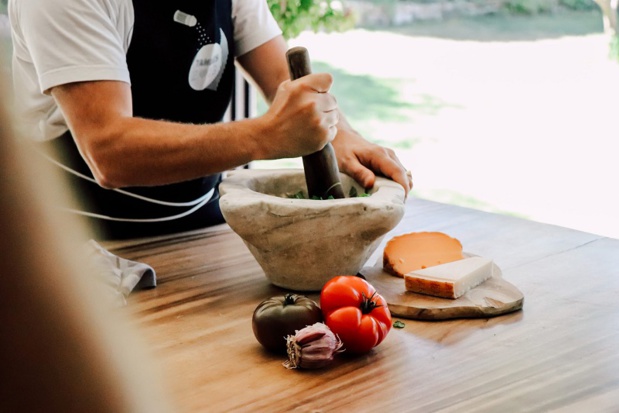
(560, 353)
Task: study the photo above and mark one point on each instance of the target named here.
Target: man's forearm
(143, 152)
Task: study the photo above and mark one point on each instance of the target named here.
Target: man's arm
(156, 152)
(357, 157)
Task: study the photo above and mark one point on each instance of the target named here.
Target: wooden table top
(560, 353)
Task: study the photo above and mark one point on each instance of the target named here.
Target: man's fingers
(390, 166)
(332, 133)
(330, 118)
(362, 175)
(401, 175)
(326, 102)
(318, 82)
(404, 176)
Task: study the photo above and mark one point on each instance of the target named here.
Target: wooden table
(560, 353)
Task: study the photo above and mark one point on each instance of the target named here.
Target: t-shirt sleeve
(254, 24)
(73, 41)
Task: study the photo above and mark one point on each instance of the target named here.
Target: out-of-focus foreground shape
(61, 348)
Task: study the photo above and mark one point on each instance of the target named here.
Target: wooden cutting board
(493, 297)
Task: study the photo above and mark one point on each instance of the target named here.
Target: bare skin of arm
(358, 158)
(301, 119)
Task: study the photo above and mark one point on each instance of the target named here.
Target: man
(131, 94)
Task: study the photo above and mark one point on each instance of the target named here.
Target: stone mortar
(302, 243)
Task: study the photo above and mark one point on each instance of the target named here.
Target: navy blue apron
(181, 65)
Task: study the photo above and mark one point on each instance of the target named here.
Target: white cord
(206, 196)
(196, 203)
(209, 194)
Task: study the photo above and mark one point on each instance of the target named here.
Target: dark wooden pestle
(322, 174)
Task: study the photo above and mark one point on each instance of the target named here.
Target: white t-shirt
(63, 41)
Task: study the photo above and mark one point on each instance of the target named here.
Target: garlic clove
(312, 347)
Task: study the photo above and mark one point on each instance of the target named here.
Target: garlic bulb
(312, 347)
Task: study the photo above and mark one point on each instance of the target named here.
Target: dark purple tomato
(278, 317)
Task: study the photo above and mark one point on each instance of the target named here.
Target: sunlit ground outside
(516, 115)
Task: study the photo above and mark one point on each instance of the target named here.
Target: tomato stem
(289, 299)
(367, 305)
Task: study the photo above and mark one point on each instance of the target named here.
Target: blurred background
(507, 106)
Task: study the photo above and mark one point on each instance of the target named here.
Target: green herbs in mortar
(353, 193)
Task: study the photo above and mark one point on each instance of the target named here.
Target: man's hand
(291, 101)
(363, 160)
(302, 118)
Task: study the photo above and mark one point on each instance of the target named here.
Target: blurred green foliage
(530, 6)
(295, 16)
(578, 4)
(613, 48)
(546, 6)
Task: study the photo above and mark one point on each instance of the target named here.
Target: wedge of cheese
(451, 280)
(418, 250)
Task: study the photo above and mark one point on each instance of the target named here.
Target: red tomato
(355, 312)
